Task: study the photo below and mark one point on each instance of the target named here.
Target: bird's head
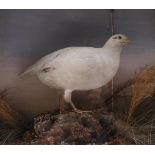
(118, 40)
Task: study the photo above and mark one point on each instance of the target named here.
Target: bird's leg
(67, 97)
(61, 103)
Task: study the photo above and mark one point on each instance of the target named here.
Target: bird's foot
(81, 111)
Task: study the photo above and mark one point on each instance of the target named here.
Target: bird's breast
(110, 67)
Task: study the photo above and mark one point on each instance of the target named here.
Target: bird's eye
(119, 37)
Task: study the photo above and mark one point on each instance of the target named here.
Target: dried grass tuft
(143, 134)
(143, 87)
(6, 113)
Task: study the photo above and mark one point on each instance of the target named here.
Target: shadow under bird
(80, 68)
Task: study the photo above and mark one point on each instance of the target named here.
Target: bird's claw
(82, 111)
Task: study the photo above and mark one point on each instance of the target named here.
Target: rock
(72, 128)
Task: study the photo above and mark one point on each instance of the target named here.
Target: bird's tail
(27, 72)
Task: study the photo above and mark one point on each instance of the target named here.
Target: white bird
(80, 68)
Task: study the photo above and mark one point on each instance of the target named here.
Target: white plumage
(80, 68)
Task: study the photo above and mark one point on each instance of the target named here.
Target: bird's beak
(126, 42)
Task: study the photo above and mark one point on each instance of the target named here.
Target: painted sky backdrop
(27, 35)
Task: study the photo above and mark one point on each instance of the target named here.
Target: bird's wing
(77, 59)
(75, 68)
(39, 65)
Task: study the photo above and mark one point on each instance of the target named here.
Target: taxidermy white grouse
(80, 68)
